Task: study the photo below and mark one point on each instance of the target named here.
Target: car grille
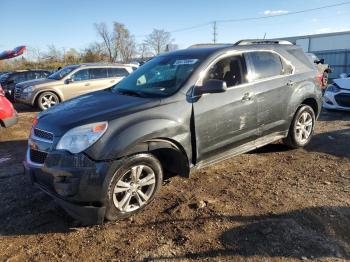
(43, 134)
(37, 156)
(343, 99)
(17, 93)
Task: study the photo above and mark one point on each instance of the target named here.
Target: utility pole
(214, 32)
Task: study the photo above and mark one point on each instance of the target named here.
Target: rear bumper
(78, 189)
(10, 121)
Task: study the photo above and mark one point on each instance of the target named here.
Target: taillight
(2, 93)
(319, 79)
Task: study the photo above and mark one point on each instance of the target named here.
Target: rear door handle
(247, 96)
(290, 83)
(87, 84)
(112, 81)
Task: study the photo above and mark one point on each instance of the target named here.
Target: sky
(70, 24)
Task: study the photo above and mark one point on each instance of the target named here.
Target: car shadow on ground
(21, 108)
(317, 232)
(334, 115)
(336, 143)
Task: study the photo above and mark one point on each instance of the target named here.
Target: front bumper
(10, 121)
(74, 181)
(23, 99)
(330, 102)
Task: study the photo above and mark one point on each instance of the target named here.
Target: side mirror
(68, 81)
(212, 86)
(343, 75)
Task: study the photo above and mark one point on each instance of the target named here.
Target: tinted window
(81, 75)
(62, 73)
(266, 64)
(19, 77)
(97, 73)
(162, 76)
(117, 72)
(230, 69)
(35, 75)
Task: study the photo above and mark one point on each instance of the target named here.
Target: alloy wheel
(303, 127)
(48, 101)
(134, 188)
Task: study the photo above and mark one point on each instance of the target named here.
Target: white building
(333, 47)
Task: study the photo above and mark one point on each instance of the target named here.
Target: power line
(284, 14)
(254, 18)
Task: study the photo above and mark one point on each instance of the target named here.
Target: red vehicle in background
(8, 115)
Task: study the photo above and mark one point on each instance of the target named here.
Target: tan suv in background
(69, 82)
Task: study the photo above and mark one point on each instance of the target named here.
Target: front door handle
(87, 84)
(247, 96)
(112, 81)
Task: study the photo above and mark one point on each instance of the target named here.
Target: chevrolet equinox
(103, 155)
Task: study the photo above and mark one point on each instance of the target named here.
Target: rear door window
(117, 72)
(98, 73)
(265, 65)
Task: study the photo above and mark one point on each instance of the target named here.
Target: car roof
(242, 45)
(100, 65)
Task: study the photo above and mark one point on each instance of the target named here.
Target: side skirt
(260, 142)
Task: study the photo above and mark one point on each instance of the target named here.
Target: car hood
(343, 83)
(35, 82)
(94, 107)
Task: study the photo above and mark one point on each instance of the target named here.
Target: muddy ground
(273, 204)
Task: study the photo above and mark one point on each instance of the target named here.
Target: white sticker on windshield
(185, 62)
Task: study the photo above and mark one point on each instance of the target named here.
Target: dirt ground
(273, 204)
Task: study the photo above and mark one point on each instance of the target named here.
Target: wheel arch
(312, 103)
(35, 100)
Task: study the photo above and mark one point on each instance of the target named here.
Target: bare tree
(124, 42)
(158, 41)
(108, 41)
(143, 50)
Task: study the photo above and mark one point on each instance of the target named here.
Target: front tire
(302, 128)
(133, 186)
(47, 100)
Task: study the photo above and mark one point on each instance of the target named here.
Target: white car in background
(337, 95)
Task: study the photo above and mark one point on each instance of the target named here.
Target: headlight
(27, 90)
(80, 138)
(333, 89)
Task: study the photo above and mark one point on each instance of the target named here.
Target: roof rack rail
(263, 42)
(208, 45)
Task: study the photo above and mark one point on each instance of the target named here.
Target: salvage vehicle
(8, 115)
(103, 155)
(323, 69)
(337, 95)
(10, 79)
(69, 82)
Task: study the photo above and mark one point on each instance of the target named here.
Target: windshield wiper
(130, 92)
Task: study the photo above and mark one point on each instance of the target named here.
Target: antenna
(214, 32)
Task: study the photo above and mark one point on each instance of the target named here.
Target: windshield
(160, 77)
(62, 73)
(4, 76)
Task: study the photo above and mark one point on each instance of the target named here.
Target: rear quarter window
(299, 55)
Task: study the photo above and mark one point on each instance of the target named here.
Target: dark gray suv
(103, 155)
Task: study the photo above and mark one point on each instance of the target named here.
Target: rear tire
(133, 186)
(325, 79)
(301, 128)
